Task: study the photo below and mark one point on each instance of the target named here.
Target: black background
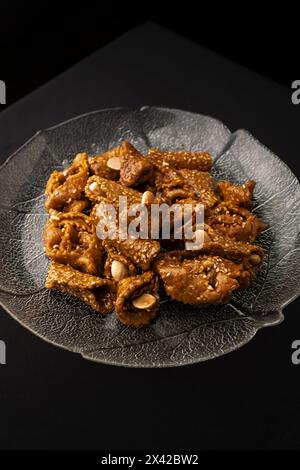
(50, 398)
(38, 40)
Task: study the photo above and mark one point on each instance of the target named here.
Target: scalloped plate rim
(257, 326)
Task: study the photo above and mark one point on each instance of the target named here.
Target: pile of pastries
(127, 275)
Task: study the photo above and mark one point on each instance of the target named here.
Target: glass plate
(181, 334)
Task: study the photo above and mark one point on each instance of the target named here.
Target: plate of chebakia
(147, 237)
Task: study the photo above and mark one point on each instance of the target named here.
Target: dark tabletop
(51, 398)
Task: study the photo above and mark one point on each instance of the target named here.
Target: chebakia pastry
(127, 274)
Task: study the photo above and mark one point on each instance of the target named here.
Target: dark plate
(181, 334)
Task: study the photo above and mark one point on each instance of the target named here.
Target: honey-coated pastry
(194, 184)
(175, 185)
(135, 168)
(235, 221)
(117, 266)
(67, 186)
(238, 195)
(201, 161)
(140, 251)
(99, 167)
(99, 189)
(70, 238)
(76, 205)
(201, 280)
(137, 299)
(216, 243)
(125, 274)
(97, 292)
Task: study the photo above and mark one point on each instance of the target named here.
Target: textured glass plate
(181, 334)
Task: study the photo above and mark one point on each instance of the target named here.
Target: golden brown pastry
(141, 252)
(238, 195)
(100, 165)
(127, 273)
(70, 238)
(235, 222)
(201, 280)
(97, 292)
(137, 299)
(99, 189)
(201, 161)
(118, 266)
(135, 168)
(67, 186)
